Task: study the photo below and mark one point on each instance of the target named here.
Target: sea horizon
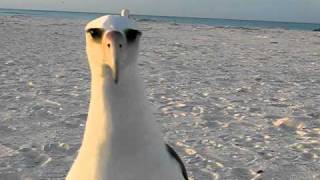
(216, 22)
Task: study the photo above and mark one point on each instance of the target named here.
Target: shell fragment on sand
(6, 151)
(291, 123)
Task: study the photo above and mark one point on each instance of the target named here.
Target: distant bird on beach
(121, 140)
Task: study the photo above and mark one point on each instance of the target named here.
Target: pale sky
(274, 10)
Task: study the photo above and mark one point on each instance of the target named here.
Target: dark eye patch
(96, 33)
(132, 34)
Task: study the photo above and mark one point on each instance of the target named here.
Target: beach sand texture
(235, 103)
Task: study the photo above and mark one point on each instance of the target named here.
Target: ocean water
(171, 19)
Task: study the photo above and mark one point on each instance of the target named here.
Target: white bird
(121, 140)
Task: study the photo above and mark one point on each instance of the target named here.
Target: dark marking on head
(132, 35)
(175, 156)
(96, 33)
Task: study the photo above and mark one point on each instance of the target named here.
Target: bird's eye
(96, 33)
(109, 45)
(132, 35)
(120, 45)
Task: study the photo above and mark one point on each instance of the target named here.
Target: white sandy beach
(235, 103)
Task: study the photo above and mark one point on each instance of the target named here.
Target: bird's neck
(113, 107)
(118, 123)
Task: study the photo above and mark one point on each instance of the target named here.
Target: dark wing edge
(174, 155)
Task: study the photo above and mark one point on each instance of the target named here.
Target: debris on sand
(318, 30)
(6, 151)
(190, 151)
(288, 122)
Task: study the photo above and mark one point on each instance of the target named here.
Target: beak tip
(116, 78)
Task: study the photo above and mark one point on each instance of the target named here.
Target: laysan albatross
(121, 140)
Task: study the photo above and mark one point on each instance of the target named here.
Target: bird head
(112, 41)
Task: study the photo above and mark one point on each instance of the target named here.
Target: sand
(234, 103)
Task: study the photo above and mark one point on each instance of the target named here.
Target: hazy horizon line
(157, 15)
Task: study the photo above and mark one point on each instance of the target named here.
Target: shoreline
(261, 24)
